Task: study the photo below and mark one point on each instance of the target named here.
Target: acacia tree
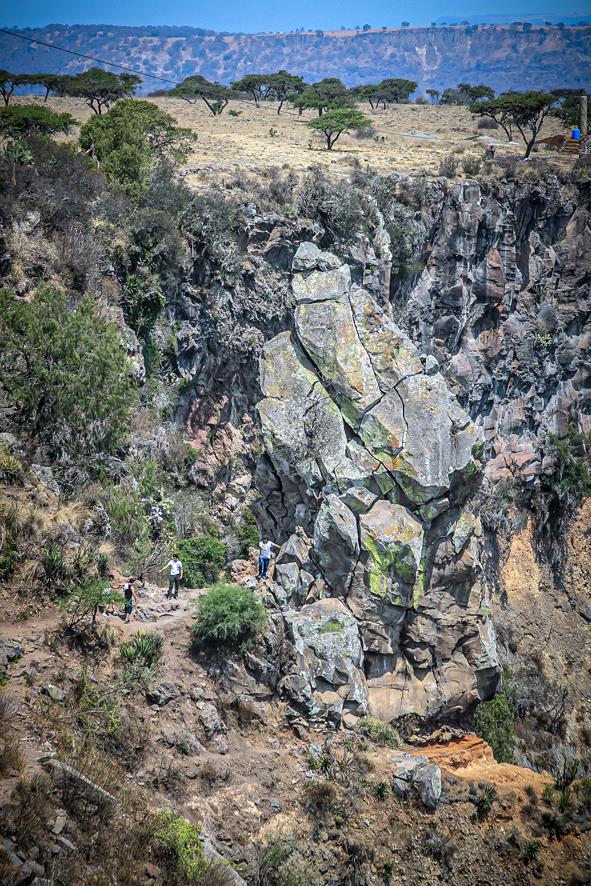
(55, 83)
(569, 110)
(9, 82)
(335, 121)
(101, 89)
(526, 111)
(194, 88)
(324, 95)
(283, 86)
(394, 90)
(17, 122)
(256, 85)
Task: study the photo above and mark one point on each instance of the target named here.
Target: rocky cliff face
(369, 452)
(389, 403)
(503, 304)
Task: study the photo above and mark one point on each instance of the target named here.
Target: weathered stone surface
(328, 334)
(336, 543)
(415, 775)
(325, 672)
(321, 285)
(393, 540)
(382, 501)
(302, 427)
(393, 356)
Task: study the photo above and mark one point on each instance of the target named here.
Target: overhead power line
(91, 58)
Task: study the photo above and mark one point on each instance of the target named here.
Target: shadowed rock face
(369, 451)
(503, 304)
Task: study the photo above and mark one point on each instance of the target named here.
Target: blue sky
(274, 15)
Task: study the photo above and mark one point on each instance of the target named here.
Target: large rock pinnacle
(369, 452)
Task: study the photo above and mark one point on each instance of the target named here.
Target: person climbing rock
(175, 575)
(265, 554)
(130, 597)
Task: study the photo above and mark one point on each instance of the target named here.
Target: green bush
(227, 614)
(380, 733)
(85, 601)
(248, 533)
(64, 372)
(203, 557)
(180, 842)
(495, 723)
(131, 140)
(145, 648)
(277, 863)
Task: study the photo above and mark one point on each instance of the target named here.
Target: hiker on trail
(490, 153)
(265, 554)
(175, 574)
(130, 597)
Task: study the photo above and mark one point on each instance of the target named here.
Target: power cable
(91, 58)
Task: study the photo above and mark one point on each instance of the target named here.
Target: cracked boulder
(325, 676)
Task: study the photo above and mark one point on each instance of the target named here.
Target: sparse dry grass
(227, 144)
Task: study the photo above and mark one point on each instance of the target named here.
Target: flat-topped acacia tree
(196, 88)
(524, 111)
(100, 89)
(335, 121)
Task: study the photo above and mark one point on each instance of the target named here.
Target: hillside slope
(504, 57)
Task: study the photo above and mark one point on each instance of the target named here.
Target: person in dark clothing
(130, 597)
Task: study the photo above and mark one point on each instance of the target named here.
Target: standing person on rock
(130, 597)
(265, 554)
(175, 575)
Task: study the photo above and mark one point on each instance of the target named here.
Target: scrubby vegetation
(381, 733)
(203, 558)
(227, 615)
(495, 722)
(65, 372)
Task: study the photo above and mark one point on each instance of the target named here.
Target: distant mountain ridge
(503, 57)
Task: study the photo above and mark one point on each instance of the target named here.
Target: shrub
(144, 648)
(471, 165)
(248, 533)
(320, 795)
(448, 166)
(277, 863)
(548, 794)
(495, 723)
(336, 205)
(11, 470)
(131, 140)
(484, 801)
(85, 601)
(202, 558)
(11, 758)
(180, 843)
(64, 372)
(380, 733)
(29, 809)
(531, 850)
(227, 614)
(530, 793)
(381, 790)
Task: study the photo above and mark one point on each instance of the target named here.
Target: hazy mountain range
(515, 57)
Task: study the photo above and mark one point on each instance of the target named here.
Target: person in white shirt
(265, 554)
(175, 574)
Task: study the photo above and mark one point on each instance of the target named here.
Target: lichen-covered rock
(382, 499)
(393, 540)
(328, 334)
(325, 670)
